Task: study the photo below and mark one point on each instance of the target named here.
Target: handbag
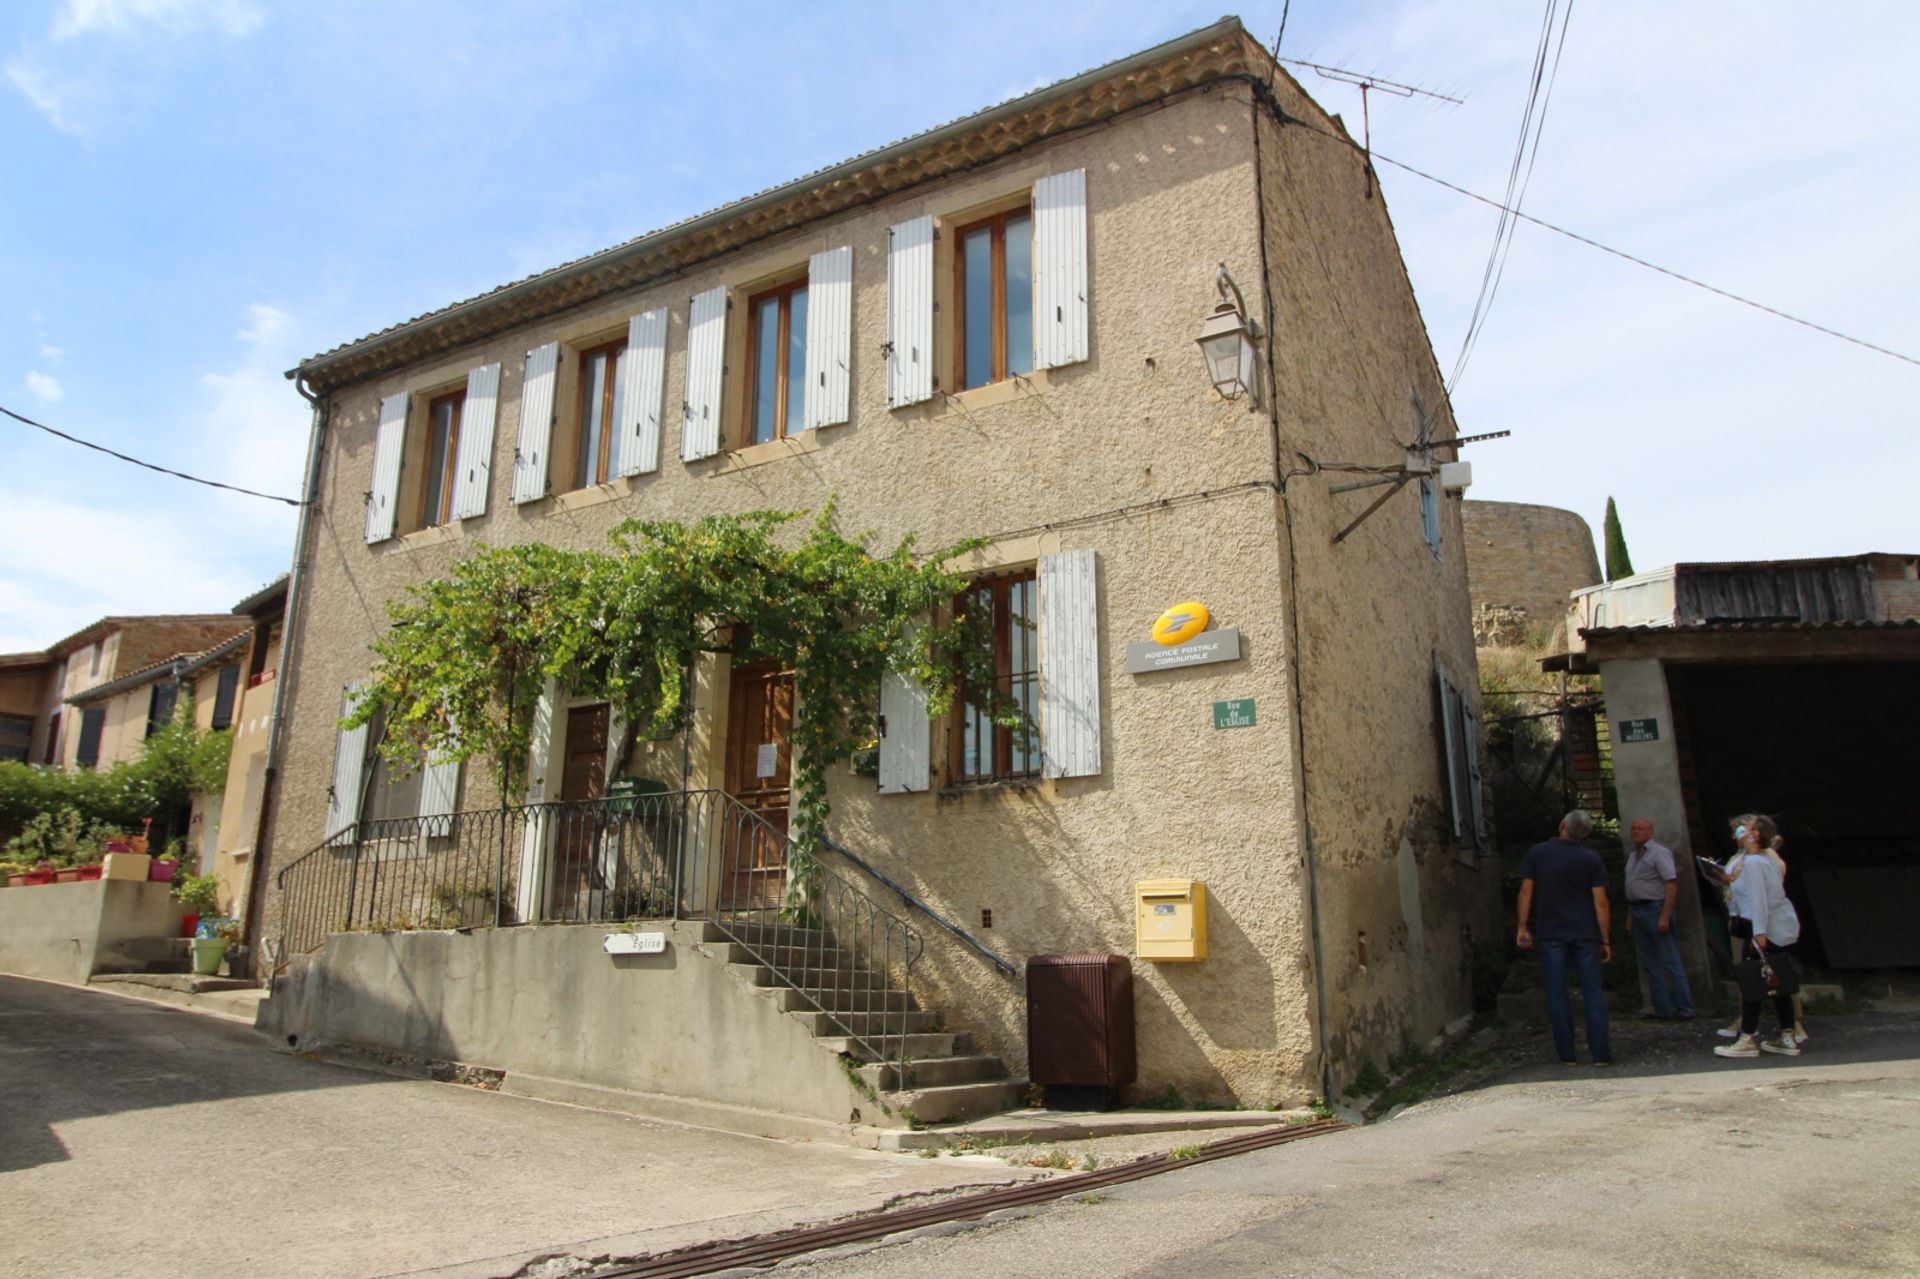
(1754, 976)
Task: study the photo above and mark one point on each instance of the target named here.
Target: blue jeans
(1586, 961)
(1660, 960)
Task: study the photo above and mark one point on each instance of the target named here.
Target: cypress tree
(1619, 563)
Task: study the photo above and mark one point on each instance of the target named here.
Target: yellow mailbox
(1170, 920)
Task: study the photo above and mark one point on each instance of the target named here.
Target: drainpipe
(256, 883)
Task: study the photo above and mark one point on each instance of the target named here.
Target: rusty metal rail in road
(767, 1250)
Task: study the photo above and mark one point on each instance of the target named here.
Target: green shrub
(197, 894)
(174, 764)
(61, 836)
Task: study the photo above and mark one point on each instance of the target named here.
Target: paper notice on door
(767, 762)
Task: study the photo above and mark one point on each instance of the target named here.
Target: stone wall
(1522, 556)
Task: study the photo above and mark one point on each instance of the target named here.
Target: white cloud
(44, 388)
(266, 325)
(119, 17)
(48, 351)
(51, 94)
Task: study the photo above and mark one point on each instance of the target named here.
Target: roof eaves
(351, 361)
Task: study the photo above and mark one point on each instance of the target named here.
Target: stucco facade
(1321, 822)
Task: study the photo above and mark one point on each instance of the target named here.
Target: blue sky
(195, 194)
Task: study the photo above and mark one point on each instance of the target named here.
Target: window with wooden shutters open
(1460, 746)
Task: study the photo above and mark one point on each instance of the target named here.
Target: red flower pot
(160, 871)
(188, 923)
(67, 875)
(91, 872)
(39, 877)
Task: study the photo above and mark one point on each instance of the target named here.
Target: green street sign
(1235, 714)
(1639, 730)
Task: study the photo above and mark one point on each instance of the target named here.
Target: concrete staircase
(851, 1011)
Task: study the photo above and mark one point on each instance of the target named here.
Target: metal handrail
(967, 938)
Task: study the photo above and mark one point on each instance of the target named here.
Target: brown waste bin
(1080, 1029)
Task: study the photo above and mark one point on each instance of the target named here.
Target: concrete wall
(68, 932)
(1524, 556)
(551, 1002)
(1400, 903)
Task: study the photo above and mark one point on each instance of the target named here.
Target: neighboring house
(38, 686)
(238, 813)
(1787, 687)
(986, 330)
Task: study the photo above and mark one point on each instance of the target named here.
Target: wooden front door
(583, 776)
(760, 776)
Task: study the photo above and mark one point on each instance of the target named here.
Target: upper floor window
(993, 287)
(93, 721)
(225, 693)
(1004, 609)
(442, 459)
(93, 657)
(602, 384)
(16, 737)
(160, 704)
(777, 362)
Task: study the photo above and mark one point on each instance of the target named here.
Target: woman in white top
(1765, 924)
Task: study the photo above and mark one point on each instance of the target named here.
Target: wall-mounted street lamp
(1226, 340)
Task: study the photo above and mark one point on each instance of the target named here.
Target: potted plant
(90, 872)
(198, 895)
(42, 873)
(211, 940)
(138, 843)
(164, 867)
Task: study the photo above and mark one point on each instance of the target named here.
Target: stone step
(952, 1103)
(816, 978)
(868, 1025)
(835, 999)
(889, 1047)
(790, 958)
(935, 1072)
(184, 983)
(761, 933)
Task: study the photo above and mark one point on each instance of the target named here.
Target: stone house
(985, 330)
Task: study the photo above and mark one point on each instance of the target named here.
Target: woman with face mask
(1764, 925)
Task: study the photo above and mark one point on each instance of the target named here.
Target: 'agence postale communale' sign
(1206, 648)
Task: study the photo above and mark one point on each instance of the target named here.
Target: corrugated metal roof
(1769, 624)
(1225, 28)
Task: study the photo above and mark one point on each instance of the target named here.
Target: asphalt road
(138, 1139)
(1679, 1163)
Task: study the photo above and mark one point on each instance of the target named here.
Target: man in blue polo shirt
(1567, 882)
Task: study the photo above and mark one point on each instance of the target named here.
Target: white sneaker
(1729, 1032)
(1744, 1046)
(1799, 1035)
(1784, 1045)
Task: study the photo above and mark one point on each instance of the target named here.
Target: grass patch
(1368, 1082)
(1052, 1159)
(1168, 1098)
(1179, 1153)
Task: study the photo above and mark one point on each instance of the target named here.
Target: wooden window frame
(782, 374)
(997, 271)
(999, 754)
(450, 467)
(615, 350)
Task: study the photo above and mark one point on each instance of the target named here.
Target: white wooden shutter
(1060, 269)
(910, 312)
(388, 442)
(829, 338)
(477, 417)
(645, 399)
(1069, 665)
(439, 783)
(349, 765)
(905, 735)
(536, 423)
(706, 371)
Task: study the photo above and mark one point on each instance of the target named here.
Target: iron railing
(835, 953)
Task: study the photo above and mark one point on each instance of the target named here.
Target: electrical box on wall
(1170, 920)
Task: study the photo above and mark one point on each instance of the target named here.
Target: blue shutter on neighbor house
(93, 721)
(225, 693)
(475, 463)
(644, 400)
(389, 441)
(829, 338)
(1060, 269)
(536, 423)
(1069, 664)
(706, 369)
(910, 312)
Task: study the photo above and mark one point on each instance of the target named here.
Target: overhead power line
(1533, 122)
(164, 470)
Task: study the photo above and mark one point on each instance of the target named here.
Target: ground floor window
(1003, 610)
